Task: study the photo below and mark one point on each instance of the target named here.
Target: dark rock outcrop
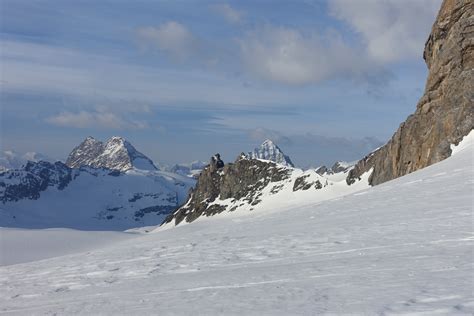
(444, 114)
(322, 170)
(301, 183)
(242, 180)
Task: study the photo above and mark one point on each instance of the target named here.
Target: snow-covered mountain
(403, 247)
(192, 169)
(102, 186)
(44, 195)
(116, 154)
(10, 159)
(268, 150)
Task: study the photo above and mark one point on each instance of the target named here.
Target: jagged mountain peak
(268, 150)
(117, 153)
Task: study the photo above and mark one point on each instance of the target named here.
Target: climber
(216, 161)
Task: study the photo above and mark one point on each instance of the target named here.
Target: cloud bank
(229, 13)
(171, 37)
(392, 30)
(293, 57)
(94, 119)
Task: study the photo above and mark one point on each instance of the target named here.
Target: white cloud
(290, 56)
(392, 30)
(260, 134)
(171, 37)
(103, 120)
(230, 14)
(389, 30)
(99, 79)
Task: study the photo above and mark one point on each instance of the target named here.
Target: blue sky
(182, 80)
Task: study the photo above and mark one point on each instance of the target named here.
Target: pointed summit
(268, 150)
(117, 153)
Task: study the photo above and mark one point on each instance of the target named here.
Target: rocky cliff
(241, 180)
(444, 114)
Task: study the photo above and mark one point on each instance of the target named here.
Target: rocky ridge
(444, 114)
(250, 184)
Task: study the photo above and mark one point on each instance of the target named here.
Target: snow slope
(405, 246)
(25, 245)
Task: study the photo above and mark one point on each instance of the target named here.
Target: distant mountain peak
(117, 154)
(268, 150)
(268, 142)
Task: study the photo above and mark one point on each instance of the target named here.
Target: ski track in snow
(404, 247)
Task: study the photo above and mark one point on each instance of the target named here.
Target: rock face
(253, 185)
(116, 154)
(268, 150)
(444, 114)
(337, 167)
(242, 180)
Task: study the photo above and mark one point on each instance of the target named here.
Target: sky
(181, 80)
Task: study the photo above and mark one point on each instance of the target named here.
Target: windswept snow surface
(24, 245)
(405, 246)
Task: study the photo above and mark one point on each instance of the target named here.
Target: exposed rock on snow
(338, 167)
(251, 184)
(35, 177)
(242, 180)
(445, 113)
(268, 150)
(341, 166)
(116, 153)
(301, 183)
